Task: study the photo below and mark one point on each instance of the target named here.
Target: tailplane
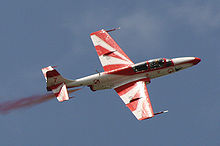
(56, 83)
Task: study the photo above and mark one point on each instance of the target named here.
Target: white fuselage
(108, 80)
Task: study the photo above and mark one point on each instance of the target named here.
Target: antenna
(161, 112)
(97, 71)
(113, 29)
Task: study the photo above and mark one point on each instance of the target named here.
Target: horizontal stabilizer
(60, 92)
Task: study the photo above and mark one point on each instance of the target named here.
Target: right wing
(136, 98)
(110, 54)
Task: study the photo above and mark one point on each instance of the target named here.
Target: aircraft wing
(136, 98)
(110, 54)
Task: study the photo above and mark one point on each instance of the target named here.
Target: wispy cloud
(140, 29)
(202, 17)
(143, 31)
(141, 24)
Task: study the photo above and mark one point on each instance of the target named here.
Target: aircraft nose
(184, 60)
(196, 60)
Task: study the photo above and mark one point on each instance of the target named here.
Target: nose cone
(196, 60)
(186, 60)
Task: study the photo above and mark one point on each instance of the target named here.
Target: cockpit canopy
(156, 63)
(152, 64)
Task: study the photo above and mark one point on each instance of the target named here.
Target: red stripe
(108, 39)
(137, 95)
(125, 88)
(133, 105)
(146, 107)
(52, 73)
(114, 67)
(102, 51)
(125, 71)
(130, 85)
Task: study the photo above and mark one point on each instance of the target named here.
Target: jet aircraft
(128, 79)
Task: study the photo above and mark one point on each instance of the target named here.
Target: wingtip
(166, 111)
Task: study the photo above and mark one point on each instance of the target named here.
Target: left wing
(136, 98)
(110, 54)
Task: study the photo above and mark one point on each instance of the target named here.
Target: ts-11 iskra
(121, 74)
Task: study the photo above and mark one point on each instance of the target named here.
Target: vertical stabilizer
(56, 83)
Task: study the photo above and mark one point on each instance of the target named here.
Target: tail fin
(56, 83)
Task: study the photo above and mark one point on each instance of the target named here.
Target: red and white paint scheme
(121, 74)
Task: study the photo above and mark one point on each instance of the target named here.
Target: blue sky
(35, 34)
